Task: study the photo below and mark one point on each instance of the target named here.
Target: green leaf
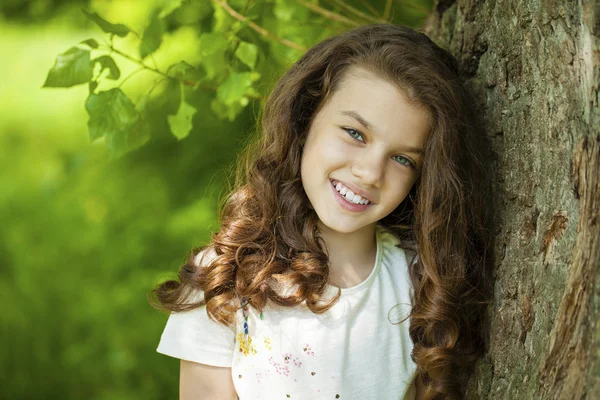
(213, 47)
(143, 101)
(181, 123)
(71, 68)
(92, 86)
(212, 43)
(92, 43)
(114, 117)
(222, 21)
(117, 29)
(107, 62)
(239, 25)
(223, 111)
(136, 136)
(184, 71)
(190, 13)
(110, 113)
(290, 11)
(236, 87)
(247, 53)
(232, 95)
(152, 37)
(169, 7)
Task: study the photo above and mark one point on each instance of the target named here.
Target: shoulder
(395, 248)
(204, 256)
(199, 258)
(397, 264)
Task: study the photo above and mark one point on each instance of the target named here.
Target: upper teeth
(349, 194)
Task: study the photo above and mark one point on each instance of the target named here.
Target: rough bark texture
(535, 68)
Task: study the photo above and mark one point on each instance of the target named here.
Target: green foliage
(114, 116)
(186, 72)
(247, 53)
(152, 36)
(181, 123)
(92, 43)
(232, 34)
(170, 7)
(71, 68)
(115, 29)
(107, 62)
(233, 94)
(213, 51)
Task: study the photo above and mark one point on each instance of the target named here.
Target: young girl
(349, 263)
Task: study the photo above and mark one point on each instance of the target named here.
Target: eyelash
(349, 130)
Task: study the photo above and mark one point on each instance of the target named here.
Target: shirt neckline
(367, 282)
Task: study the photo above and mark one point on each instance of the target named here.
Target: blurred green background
(87, 232)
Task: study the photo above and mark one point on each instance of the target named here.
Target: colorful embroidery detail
(268, 343)
(308, 350)
(246, 346)
(245, 313)
(297, 362)
(281, 370)
(245, 341)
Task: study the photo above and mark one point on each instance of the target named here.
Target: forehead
(384, 105)
(358, 80)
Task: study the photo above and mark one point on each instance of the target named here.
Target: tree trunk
(535, 68)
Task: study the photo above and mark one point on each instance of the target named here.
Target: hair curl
(269, 237)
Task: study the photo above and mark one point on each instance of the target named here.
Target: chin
(342, 227)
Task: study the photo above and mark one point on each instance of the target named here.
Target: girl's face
(363, 152)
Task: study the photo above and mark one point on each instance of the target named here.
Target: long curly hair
(269, 239)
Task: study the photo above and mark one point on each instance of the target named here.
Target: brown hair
(269, 237)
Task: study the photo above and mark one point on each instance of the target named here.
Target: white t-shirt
(352, 351)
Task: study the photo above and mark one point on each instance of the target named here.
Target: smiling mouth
(349, 195)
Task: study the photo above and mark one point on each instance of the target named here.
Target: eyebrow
(356, 116)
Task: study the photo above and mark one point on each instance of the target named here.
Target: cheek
(324, 150)
(311, 163)
(337, 152)
(308, 160)
(400, 188)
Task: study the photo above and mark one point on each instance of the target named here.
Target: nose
(369, 168)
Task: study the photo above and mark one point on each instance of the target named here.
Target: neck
(351, 255)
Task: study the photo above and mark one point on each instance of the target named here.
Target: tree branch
(258, 28)
(327, 14)
(135, 60)
(144, 66)
(358, 12)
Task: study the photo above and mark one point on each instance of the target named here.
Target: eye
(404, 161)
(354, 134)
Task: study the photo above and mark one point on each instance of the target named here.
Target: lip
(355, 190)
(345, 204)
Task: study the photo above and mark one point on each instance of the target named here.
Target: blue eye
(354, 134)
(404, 161)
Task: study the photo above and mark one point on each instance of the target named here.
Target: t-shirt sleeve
(193, 336)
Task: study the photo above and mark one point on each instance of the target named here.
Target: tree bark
(535, 68)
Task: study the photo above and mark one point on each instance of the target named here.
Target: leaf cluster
(242, 46)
